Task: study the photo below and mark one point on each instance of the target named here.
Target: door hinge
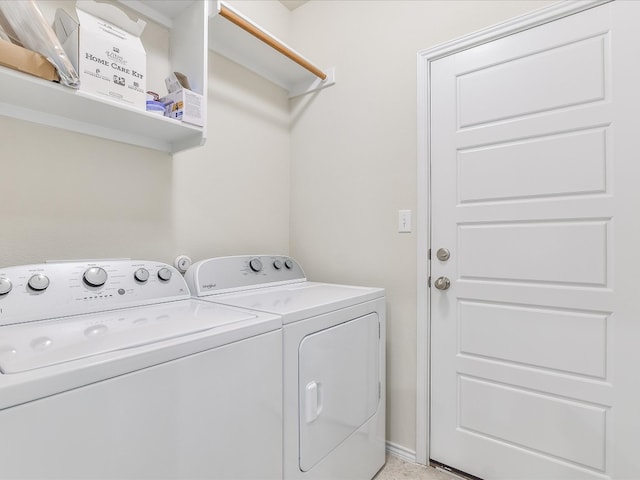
(429, 282)
(379, 390)
(429, 254)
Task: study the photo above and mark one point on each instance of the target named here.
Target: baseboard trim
(401, 452)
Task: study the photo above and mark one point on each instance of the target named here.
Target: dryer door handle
(313, 401)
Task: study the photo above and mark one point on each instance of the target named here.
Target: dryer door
(338, 385)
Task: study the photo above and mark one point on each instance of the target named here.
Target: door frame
(423, 231)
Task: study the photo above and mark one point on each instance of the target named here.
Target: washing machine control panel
(59, 289)
(228, 274)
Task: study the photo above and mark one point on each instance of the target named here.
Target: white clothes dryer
(334, 360)
(109, 369)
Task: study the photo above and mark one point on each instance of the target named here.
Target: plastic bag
(3, 35)
(31, 28)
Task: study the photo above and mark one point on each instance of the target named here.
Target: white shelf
(51, 104)
(35, 100)
(192, 32)
(262, 55)
(160, 11)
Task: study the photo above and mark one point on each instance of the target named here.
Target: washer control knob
(141, 275)
(95, 277)
(277, 264)
(255, 264)
(38, 282)
(5, 286)
(288, 263)
(164, 274)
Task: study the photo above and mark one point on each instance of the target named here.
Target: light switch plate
(404, 221)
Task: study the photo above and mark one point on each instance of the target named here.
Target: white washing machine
(334, 360)
(109, 369)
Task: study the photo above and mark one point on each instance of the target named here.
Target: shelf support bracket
(317, 84)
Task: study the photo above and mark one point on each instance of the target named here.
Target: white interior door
(535, 146)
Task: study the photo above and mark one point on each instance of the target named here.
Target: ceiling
(292, 4)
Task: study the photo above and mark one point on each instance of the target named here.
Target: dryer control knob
(95, 277)
(277, 264)
(255, 264)
(288, 263)
(5, 286)
(141, 275)
(38, 282)
(164, 274)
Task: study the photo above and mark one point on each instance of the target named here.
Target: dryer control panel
(229, 274)
(60, 289)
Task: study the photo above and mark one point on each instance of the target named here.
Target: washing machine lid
(301, 300)
(40, 344)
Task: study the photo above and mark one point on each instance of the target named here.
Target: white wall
(354, 157)
(232, 196)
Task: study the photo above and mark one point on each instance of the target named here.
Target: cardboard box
(176, 81)
(185, 105)
(105, 48)
(26, 61)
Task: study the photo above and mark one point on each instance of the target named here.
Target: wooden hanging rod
(272, 42)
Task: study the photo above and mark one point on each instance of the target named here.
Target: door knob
(442, 283)
(443, 254)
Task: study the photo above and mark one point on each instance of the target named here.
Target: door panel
(483, 326)
(534, 421)
(544, 168)
(560, 76)
(531, 252)
(532, 358)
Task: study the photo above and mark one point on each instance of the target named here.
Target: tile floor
(396, 469)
